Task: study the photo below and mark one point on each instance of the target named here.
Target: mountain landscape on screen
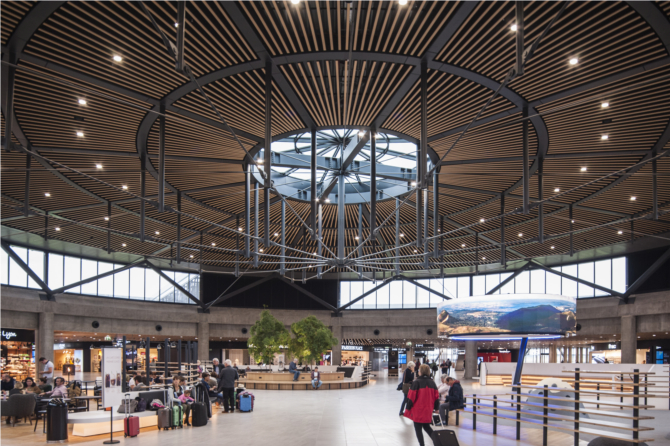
(514, 314)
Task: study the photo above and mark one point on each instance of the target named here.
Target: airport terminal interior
(335, 222)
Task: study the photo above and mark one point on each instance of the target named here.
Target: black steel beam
(341, 218)
(540, 196)
(436, 213)
(319, 246)
(578, 280)
(503, 252)
(372, 221)
(247, 212)
(143, 193)
(352, 150)
(360, 237)
(161, 154)
(179, 228)
(313, 194)
(519, 38)
(282, 250)
(509, 279)
(525, 173)
(654, 188)
(430, 290)
(175, 284)
(367, 293)
(15, 257)
(109, 227)
(307, 293)
(647, 274)
(257, 216)
(181, 36)
(99, 276)
(26, 192)
(397, 235)
(267, 161)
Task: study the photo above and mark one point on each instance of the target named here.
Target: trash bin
(56, 421)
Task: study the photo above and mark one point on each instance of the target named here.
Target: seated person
(7, 382)
(293, 368)
(31, 387)
(316, 381)
(212, 392)
(59, 391)
(213, 377)
(44, 385)
(453, 400)
(134, 380)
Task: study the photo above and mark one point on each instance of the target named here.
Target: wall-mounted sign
(10, 334)
(417, 346)
(460, 352)
(612, 346)
(358, 348)
(402, 350)
(381, 349)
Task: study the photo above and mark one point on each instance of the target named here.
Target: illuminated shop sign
(18, 335)
(358, 348)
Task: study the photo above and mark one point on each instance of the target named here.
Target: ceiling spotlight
(276, 234)
(583, 169)
(572, 221)
(361, 134)
(633, 198)
(176, 25)
(605, 105)
(98, 166)
(261, 250)
(295, 2)
(415, 250)
(191, 256)
(553, 247)
(356, 237)
(557, 189)
(604, 137)
(481, 220)
(239, 229)
(513, 27)
(158, 233)
(117, 58)
(123, 244)
(316, 199)
(402, 2)
(82, 101)
(327, 200)
(259, 162)
(574, 61)
(413, 183)
(124, 187)
(402, 235)
(520, 234)
(80, 134)
(463, 245)
(106, 218)
(47, 194)
(57, 228)
(483, 258)
(619, 232)
(213, 244)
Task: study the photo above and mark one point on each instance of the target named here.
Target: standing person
(210, 391)
(421, 403)
(227, 379)
(407, 379)
(200, 367)
(453, 400)
(47, 369)
(443, 366)
(293, 368)
(316, 382)
(216, 367)
(448, 366)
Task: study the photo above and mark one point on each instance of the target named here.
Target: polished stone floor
(366, 416)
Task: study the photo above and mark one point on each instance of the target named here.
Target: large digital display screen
(513, 314)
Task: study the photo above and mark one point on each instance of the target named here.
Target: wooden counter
(288, 377)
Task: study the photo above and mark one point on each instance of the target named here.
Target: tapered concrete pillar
(203, 341)
(45, 339)
(470, 359)
(628, 339)
(552, 354)
(336, 358)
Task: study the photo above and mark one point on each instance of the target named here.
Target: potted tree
(268, 335)
(311, 339)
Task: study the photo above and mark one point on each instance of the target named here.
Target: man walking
(47, 370)
(227, 379)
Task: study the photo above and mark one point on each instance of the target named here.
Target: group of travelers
(220, 384)
(29, 385)
(422, 398)
(315, 377)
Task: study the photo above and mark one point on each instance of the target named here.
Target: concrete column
(628, 339)
(336, 358)
(470, 359)
(45, 340)
(203, 341)
(552, 354)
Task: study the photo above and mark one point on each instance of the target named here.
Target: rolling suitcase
(131, 424)
(246, 403)
(177, 416)
(198, 412)
(164, 418)
(444, 437)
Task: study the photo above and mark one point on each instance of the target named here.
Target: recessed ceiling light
(633, 198)
(213, 244)
(47, 194)
(513, 27)
(402, 235)
(604, 137)
(572, 221)
(619, 232)
(463, 245)
(124, 187)
(520, 234)
(158, 233)
(574, 61)
(276, 234)
(413, 183)
(117, 58)
(583, 169)
(123, 244)
(605, 105)
(259, 162)
(356, 237)
(57, 228)
(402, 2)
(361, 134)
(82, 101)
(295, 2)
(556, 189)
(327, 200)
(316, 199)
(415, 250)
(552, 247)
(261, 250)
(481, 220)
(106, 218)
(98, 166)
(80, 134)
(191, 256)
(483, 258)
(176, 25)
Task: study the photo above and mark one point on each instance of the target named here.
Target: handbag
(399, 387)
(141, 404)
(131, 404)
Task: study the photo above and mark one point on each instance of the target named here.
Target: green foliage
(311, 339)
(267, 334)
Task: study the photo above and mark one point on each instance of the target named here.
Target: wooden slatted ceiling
(12, 13)
(452, 102)
(605, 37)
(47, 109)
(495, 177)
(665, 7)
(241, 101)
(321, 87)
(230, 199)
(324, 25)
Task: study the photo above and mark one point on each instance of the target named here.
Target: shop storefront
(65, 354)
(355, 354)
(18, 353)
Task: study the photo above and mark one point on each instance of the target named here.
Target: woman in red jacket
(421, 402)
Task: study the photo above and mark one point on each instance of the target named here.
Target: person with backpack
(407, 379)
(448, 366)
(421, 403)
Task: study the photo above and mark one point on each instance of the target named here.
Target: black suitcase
(444, 437)
(199, 414)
